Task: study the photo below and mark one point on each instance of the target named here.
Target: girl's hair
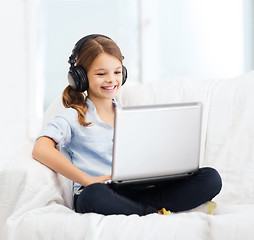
(87, 54)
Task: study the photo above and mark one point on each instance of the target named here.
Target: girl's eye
(100, 74)
(117, 72)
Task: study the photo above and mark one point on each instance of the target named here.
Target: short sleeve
(59, 130)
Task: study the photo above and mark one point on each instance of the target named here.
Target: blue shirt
(89, 148)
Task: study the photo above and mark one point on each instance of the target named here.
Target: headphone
(77, 76)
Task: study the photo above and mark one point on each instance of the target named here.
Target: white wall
(198, 38)
(13, 68)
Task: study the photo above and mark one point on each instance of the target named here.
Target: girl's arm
(46, 153)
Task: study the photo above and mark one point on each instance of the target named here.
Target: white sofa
(36, 202)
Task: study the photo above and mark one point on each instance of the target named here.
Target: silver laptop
(155, 143)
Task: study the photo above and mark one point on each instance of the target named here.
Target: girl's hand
(100, 179)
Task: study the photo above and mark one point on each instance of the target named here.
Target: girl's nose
(110, 78)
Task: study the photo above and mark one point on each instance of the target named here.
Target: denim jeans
(174, 195)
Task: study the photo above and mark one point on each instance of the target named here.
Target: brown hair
(89, 51)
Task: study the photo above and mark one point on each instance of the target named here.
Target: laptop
(156, 143)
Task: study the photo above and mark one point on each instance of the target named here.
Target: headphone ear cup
(124, 75)
(78, 79)
(73, 79)
(83, 80)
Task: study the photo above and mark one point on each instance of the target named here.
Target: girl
(84, 130)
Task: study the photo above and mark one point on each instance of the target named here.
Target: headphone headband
(79, 44)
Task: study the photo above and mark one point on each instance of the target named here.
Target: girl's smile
(109, 88)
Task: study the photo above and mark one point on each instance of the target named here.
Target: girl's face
(104, 77)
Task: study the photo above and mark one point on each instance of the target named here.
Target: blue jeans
(174, 195)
